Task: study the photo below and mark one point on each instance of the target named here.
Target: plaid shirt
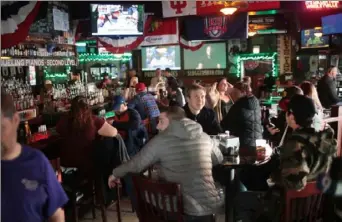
(145, 104)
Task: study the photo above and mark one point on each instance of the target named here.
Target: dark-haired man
(195, 110)
(186, 156)
(30, 191)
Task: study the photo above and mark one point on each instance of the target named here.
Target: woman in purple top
(30, 191)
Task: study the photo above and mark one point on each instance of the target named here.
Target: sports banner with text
(217, 27)
(184, 8)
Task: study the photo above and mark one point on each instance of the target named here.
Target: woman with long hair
(79, 129)
(310, 91)
(218, 98)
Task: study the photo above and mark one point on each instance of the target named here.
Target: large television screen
(332, 24)
(209, 56)
(160, 57)
(110, 19)
(312, 38)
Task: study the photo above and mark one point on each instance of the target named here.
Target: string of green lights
(94, 57)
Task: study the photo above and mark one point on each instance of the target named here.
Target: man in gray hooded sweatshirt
(185, 155)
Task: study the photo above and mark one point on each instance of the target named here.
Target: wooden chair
(304, 205)
(157, 201)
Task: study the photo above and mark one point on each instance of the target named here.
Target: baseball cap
(140, 87)
(117, 102)
(302, 107)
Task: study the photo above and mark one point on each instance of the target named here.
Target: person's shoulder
(208, 111)
(32, 154)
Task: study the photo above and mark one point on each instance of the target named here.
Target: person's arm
(216, 154)
(332, 92)
(149, 155)
(107, 130)
(56, 197)
(180, 98)
(133, 123)
(132, 103)
(215, 125)
(58, 216)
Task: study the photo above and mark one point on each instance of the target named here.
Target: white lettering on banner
(287, 54)
(205, 72)
(284, 53)
(160, 40)
(37, 62)
(153, 74)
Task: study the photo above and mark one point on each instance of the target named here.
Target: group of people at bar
(182, 149)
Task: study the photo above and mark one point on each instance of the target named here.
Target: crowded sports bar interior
(187, 111)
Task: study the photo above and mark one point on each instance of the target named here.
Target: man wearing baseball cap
(128, 123)
(146, 105)
(304, 155)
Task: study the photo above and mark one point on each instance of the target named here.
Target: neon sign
(321, 4)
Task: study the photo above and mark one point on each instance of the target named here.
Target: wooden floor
(127, 214)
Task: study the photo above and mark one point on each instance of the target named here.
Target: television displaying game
(209, 56)
(312, 38)
(109, 19)
(332, 24)
(160, 57)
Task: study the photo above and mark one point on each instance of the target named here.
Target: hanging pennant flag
(216, 27)
(178, 8)
(162, 32)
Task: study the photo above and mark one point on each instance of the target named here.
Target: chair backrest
(304, 205)
(157, 201)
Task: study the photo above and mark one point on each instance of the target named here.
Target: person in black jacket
(244, 117)
(326, 89)
(195, 110)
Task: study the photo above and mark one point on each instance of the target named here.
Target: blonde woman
(218, 98)
(310, 91)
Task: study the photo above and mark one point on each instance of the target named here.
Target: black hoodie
(244, 121)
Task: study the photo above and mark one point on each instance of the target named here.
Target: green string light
(94, 57)
(259, 56)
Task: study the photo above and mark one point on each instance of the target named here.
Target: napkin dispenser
(230, 145)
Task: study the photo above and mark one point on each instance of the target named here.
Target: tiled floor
(126, 213)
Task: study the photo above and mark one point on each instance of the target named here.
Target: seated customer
(195, 110)
(244, 117)
(185, 155)
(146, 105)
(129, 125)
(30, 191)
(79, 129)
(302, 157)
(306, 153)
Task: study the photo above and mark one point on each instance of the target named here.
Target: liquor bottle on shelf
(28, 132)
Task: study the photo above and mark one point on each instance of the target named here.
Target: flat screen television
(332, 24)
(160, 57)
(209, 56)
(115, 19)
(311, 40)
(256, 67)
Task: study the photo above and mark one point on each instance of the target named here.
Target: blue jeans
(129, 189)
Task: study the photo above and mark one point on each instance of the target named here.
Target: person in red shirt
(79, 129)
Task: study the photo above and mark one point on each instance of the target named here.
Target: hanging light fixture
(230, 7)
(228, 10)
(318, 34)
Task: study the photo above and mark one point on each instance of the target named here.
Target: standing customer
(30, 191)
(326, 88)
